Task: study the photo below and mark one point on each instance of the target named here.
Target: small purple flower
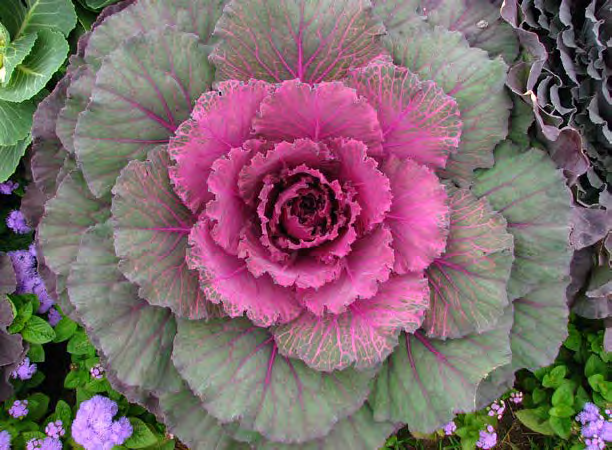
(450, 428)
(44, 444)
(497, 409)
(54, 317)
(24, 370)
(55, 429)
(595, 444)
(606, 431)
(94, 428)
(516, 397)
(28, 280)
(488, 438)
(16, 221)
(19, 409)
(5, 440)
(7, 189)
(97, 371)
(589, 413)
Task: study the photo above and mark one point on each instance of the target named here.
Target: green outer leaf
(10, 156)
(531, 420)
(530, 193)
(468, 282)
(313, 41)
(67, 217)
(236, 370)
(138, 102)
(426, 381)
(29, 77)
(151, 227)
(111, 311)
(186, 417)
(15, 121)
(54, 15)
(14, 54)
(473, 80)
(142, 436)
(37, 331)
(99, 4)
(190, 16)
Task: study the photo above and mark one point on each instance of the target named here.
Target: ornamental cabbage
(300, 224)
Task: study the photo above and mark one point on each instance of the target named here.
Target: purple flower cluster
(5, 440)
(28, 279)
(7, 189)
(596, 430)
(516, 397)
(94, 428)
(44, 444)
(97, 371)
(488, 438)
(16, 221)
(55, 429)
(19, 409)
(497, 409)
(24, 370)
(54, 317)
(450, 428)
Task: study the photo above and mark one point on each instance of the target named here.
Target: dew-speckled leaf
(29, 16)
(359, 431)
(468, 282)
(77, 98)
(139, 99)
(151, 229)
(15, 121)
(135, 338)
(190, 16)
(185, 417)
(14, 54)
(313, 40)
(29, 77)
(10, 156)
(530, 193)
(474, 80)
(426, 381)
(236, 370)
(67, 216)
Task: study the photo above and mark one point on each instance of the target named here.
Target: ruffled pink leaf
(328, 110)
(367, 265)
(225, 279)
(364, 335)
(419, 214)
(220, 121)
(227, 211)
(361, 171)
(418, 120)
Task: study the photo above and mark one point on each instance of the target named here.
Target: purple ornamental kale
(55, 429)
(16, 221)
(8, 188)
(450, 428)
(54, 317)
(44, 444)
(5, 440)
(94, 427)
(25, 370)
(488, 438)
(19, 409)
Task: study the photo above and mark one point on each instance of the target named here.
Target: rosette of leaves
(334, 239)
(33, 47)
(565, 72)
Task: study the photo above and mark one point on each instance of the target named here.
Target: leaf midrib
(27, 18)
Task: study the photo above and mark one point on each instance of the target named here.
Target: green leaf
(561, 411)
(36, 15)
(142, 436)
(29, 435)
(75, 379)
(15, 121)
(38, 404)
(29, 77)
(562, 426)
(555, 377)
(64, 329)
(79, 344)
(36, 353)
(597, 382)
(531, 420)
(564, 394)
(64, 413)
(10, 156)
(595, 365)
(574, 340)
(99, 4)
(13, 55)
(24, 313)
(538, 395)
(38, 331)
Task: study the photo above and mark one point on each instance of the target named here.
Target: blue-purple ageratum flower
(25, 370)
(516, 397)
(497, 408)
(596, 429)
(94, 427)
(97, 371)
(19, 409)
(28, 280)
(16, 221)
(7, 189)
(5, 440)
(55, 429)
(54, 317)
(44, 444)
(488, 438)
(450, 428)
